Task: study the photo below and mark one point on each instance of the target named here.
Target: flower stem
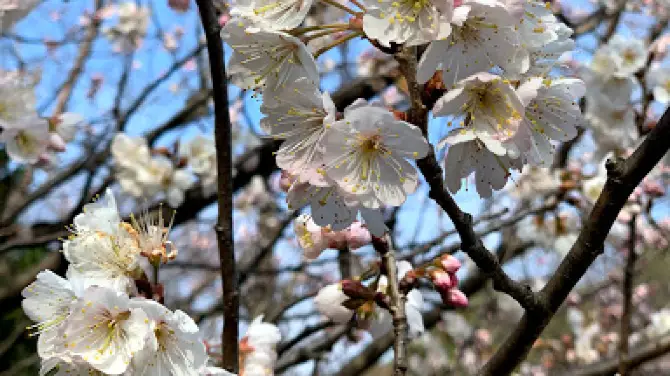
(321, 34)
(337, 43)
(307, 29)
(338, 5)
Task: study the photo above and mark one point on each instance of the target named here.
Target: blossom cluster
(106, 317)
(129, 32)
(27, 137)
(505, 105)
(143, 172)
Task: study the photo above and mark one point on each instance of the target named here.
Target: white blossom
(329, 301)
(200, 153)
(633, 53)
(27, 140)
(487, 109)
(129, 152)
(105, 330)
(161, 176)
(309, 236)
(13, 11)
(658, 81)
(660, 323)
(300, 116)
(366, 154)
(413, 305)
(491, 171)
(66, 125)
(272, 15)
(260, 343)
(482, 37)
(47, 301)
(411, 22)
(103, 250)
(266, 59)
(552, 113)
(17, 98)
(174, 348)
(67, 366)
(128, 33)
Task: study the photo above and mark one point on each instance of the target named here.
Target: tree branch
(224, 227)
(463, 222)
(65, 91)
(623, 177)
(397, 305)
(627, 291)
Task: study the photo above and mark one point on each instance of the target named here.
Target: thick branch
(224, 227)
(623, 177)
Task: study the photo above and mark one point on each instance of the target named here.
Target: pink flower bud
(357, 236)
(450, 264)
(56, 142)
(455, 297)
(442, 280)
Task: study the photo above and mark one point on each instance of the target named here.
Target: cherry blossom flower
(658, 82)
(483, 36)
(174, 347)
(200, 154)
(102, 250)
(552, 113)
(27, 140)
(632, 51)
(258, 348)
(309, 235)
(128, 34)
(491, 107)
(67, 366)
(411, 22)
(300, 116)
(366, 155)
(105, 330)
(491, 171)
(17, 99)
(47, 301)
(272, 15)
(266, 59)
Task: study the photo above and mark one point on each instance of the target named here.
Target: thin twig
(397, 306)
(627, 291)
(224, 227)
(65, 91)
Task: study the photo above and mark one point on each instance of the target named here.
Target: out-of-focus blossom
(658, 81)
(127, 35)
(258, 348)
(13, 11)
